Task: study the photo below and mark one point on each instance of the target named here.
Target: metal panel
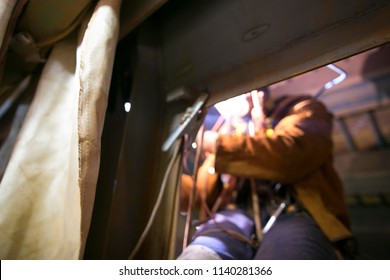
(134, 12)
(230, 47)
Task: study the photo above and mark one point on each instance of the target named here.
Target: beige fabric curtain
(48, 189)
(6, 8)
(94, 67)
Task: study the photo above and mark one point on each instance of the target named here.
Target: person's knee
(295, 236)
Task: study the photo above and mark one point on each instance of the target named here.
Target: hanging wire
(191, 202)
(158, 202)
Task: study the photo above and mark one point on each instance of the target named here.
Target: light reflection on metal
(335, 81)
(14, 96)
(127, 106)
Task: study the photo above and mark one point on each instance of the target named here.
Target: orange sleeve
(205, 187)
(301, 142)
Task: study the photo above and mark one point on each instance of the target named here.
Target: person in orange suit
(292, 150)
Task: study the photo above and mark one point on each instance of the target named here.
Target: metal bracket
(333, 82)
(191, 120)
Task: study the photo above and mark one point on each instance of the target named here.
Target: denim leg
(295, 236)
(226, 246)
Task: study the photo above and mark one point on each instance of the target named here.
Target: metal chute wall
(231, 47)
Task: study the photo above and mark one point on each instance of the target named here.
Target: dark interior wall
(133, 165)
(128, 176)
(231, 47)
(227, 49)
(112, 139)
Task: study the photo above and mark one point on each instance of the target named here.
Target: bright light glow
(194, 145)
(211, 170)
(251, 128)
(127, 106)
(257, 97)
(236, 106)
(225, 178)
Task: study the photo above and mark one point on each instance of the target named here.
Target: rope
(157, 204)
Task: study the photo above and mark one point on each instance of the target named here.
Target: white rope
(156, 205)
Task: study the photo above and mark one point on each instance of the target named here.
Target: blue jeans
(294, 236)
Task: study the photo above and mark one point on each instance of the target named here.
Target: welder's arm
(300, 144)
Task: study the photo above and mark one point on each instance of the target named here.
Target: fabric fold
(48, 189)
